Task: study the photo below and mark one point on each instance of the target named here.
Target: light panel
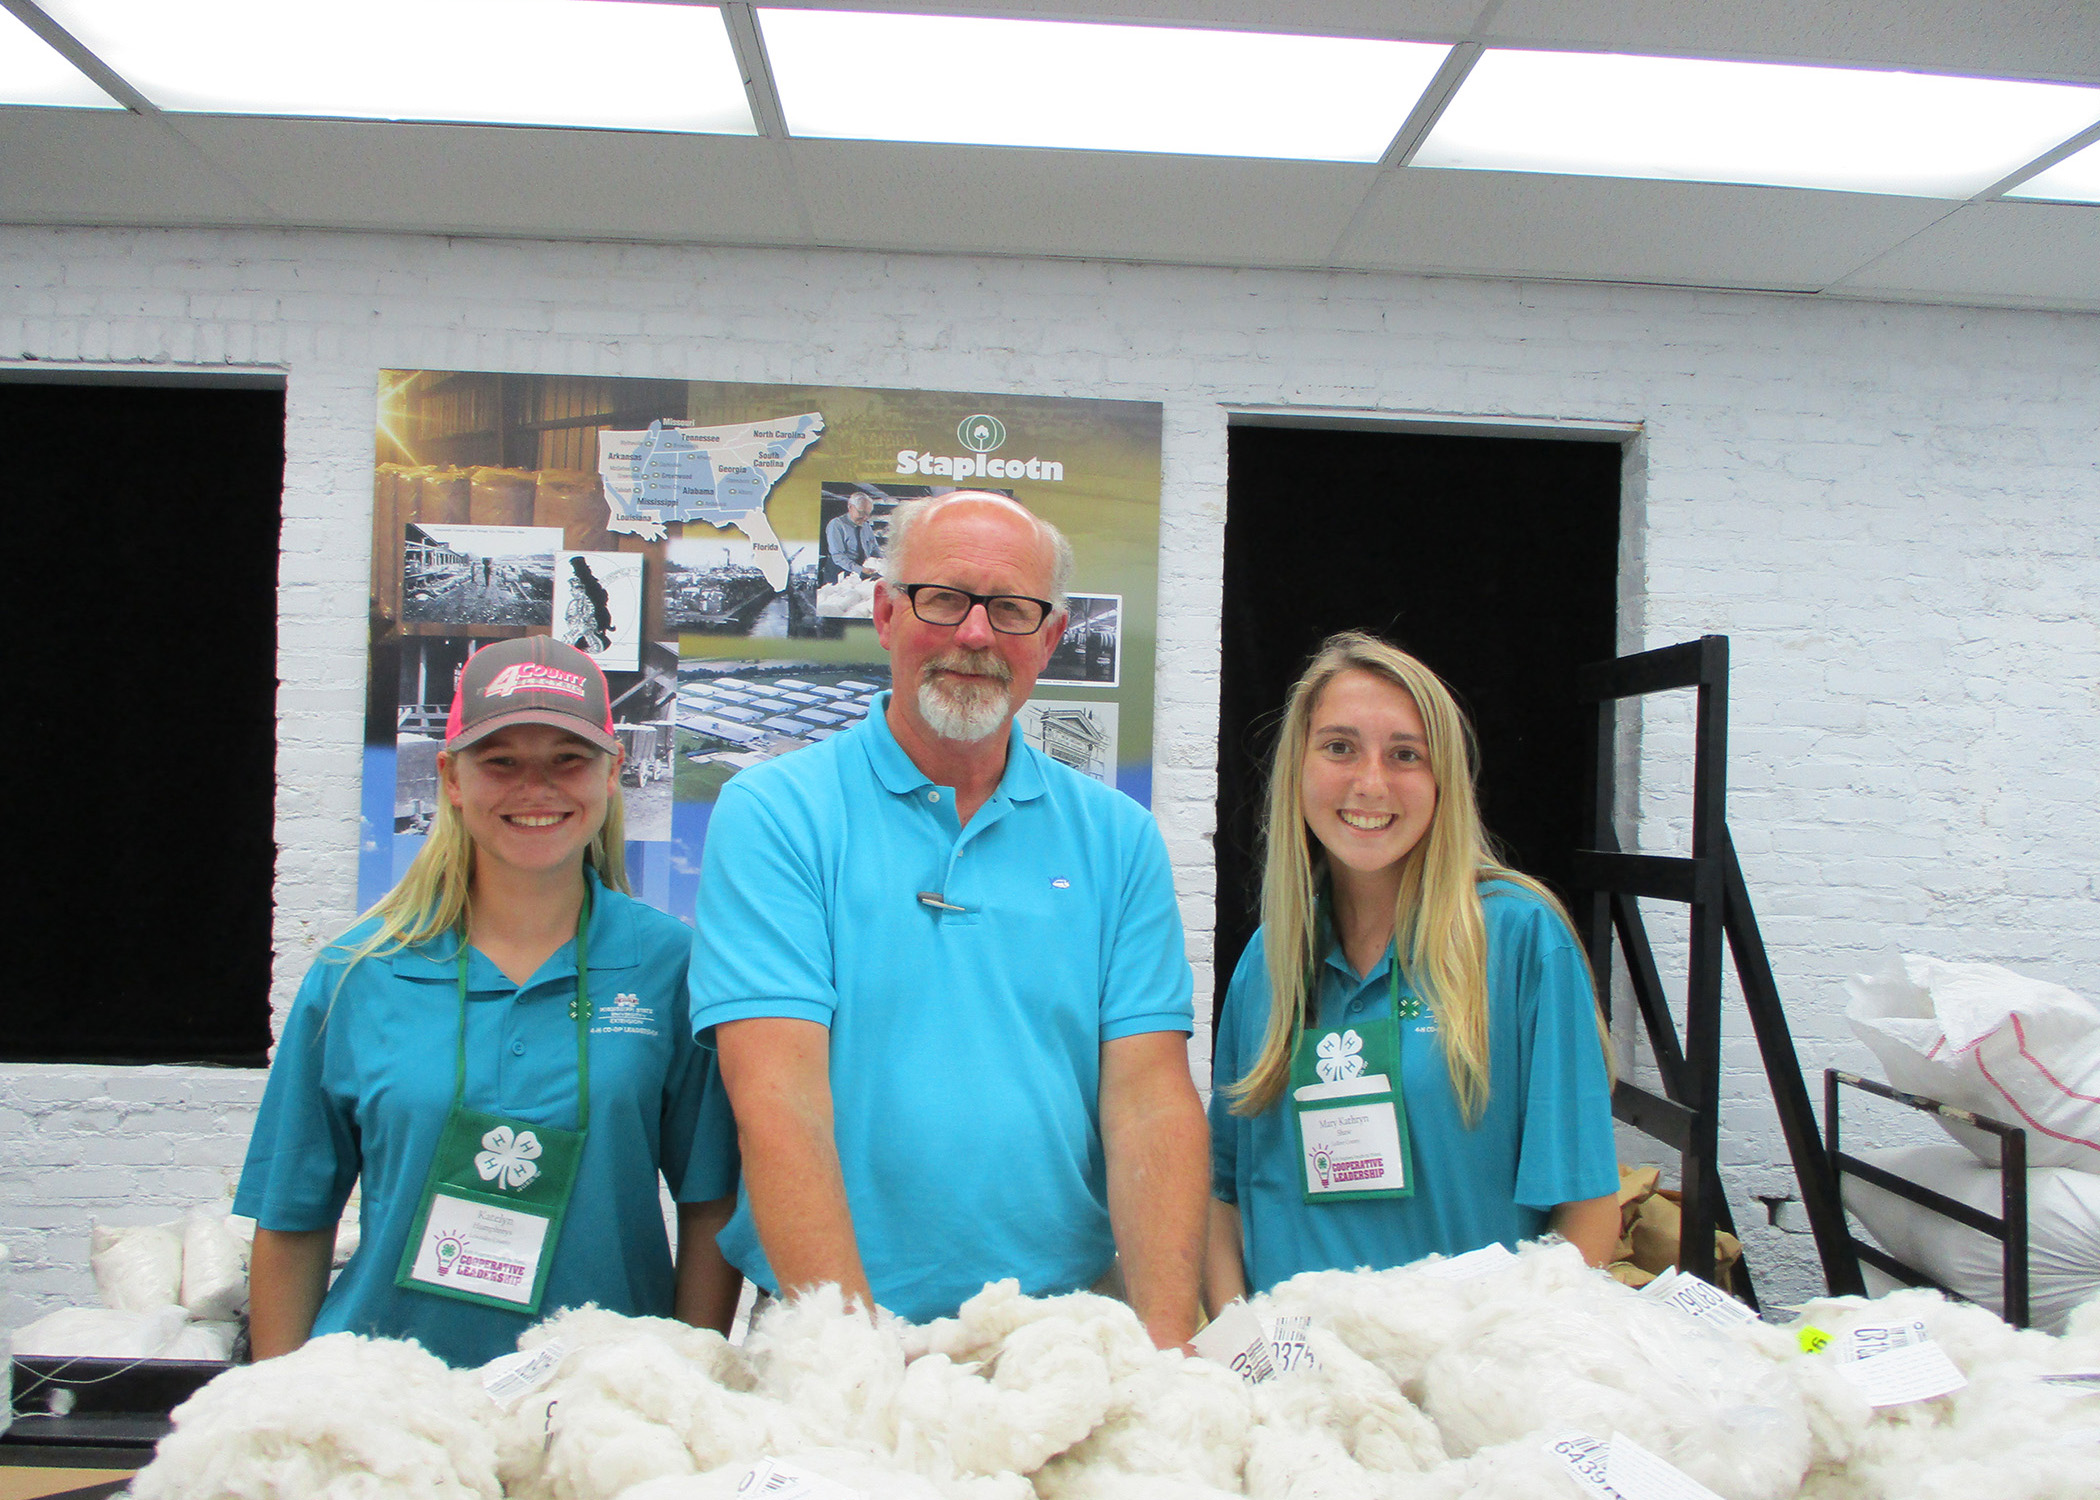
(2075, 179)
(32, 71)
(595, 64)
(1601, 114)
(972, 81)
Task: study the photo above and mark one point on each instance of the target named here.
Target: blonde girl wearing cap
(498, 1052)
(1409, 1060)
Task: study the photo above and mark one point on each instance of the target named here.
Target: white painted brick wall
(1891, 509)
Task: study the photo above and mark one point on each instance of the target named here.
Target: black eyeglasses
(1009, 614)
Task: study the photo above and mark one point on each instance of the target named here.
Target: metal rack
(1608, 881)
(2010, 1227)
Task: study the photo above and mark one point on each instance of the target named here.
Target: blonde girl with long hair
(498, 1053)
(1410, 1059)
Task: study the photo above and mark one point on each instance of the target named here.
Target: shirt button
(517, 1049)
(933, 796)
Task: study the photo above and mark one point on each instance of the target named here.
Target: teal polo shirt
(965, 1045)
(362, 1083)
(1544, 1139)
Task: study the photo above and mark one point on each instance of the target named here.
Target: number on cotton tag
(1588, 1459)
(774, 1480)
(1287, 1343)
(1893, 1364)
(510, 1376)
(1697, 1299)
(1492, 1256)
(1236, 1340)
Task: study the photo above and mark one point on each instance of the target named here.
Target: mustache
(974, 663)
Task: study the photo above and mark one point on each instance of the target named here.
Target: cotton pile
(344, 1418)
(1430, 1382)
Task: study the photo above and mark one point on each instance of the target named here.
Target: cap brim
(583, 729)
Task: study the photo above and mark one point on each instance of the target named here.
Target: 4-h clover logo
(509, 1161)
(1341, 1056)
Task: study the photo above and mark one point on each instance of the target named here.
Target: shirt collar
(613, 945)
(1022, 780)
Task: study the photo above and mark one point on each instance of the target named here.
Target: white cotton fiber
(873, 1478)
(1169, 1416)
(343, 1418)
(834, 1368)
(104, 1333)
(1335, 1426)
(1592, 1356)
(137, 1268)
(1520, 1470)
(214, 1267)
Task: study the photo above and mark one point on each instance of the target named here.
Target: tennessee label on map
(720, 475)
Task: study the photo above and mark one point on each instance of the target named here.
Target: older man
(850, 543)
(945, 973)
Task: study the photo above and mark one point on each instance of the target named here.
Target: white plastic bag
(137, 1269)
(2063, 1229)
(214, 1270)
(2022, 1051)
(103, 1333)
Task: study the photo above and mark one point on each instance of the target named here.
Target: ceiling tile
(94, 166)
(1608, 229)
(2057, 39)
(471, 179)
(2029, 254)
(1404, 20)
(1117, 205)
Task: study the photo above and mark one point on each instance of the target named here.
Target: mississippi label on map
(720, 475)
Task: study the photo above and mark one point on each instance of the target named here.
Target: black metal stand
(2010, 1227)
(1686, 1115)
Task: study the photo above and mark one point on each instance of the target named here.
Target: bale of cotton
(343, 1418)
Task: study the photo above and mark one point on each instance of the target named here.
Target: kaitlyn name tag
(480, 1248)
(1351, 1134)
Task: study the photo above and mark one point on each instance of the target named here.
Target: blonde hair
(435, 893)
(1439, 930)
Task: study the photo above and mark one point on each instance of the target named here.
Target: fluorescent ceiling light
(2075, 179)
(1593, 114)
(32, 71)
(588, 63)
(863, 76)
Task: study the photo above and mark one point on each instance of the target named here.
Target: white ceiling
(148, 168)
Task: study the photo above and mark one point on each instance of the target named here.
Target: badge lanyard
(1347, 1108)
(498, 1188)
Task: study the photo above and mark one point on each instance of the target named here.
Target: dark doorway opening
(1494, 559)
(145, 533)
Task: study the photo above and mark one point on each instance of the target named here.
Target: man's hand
(778, 1072)
(1158, 1148)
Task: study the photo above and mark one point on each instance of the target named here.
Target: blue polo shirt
(1544, 1139)
(965, 1045)
(362, 1087)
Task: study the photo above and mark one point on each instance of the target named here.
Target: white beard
(967, 713)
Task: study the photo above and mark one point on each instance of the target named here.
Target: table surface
(42, 1484)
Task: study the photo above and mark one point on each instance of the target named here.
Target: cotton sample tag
(1236, 1340)
(510, 1376)
(1623, 1470)
(1287, 1343)
(775, 1480)
(1896, 1363)
(2077, 1382)
(1697, 1299)
(1492, 1256)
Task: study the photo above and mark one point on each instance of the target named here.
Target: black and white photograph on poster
(733, 714)
(1081, 735)
(1091, 651)
(713, 586)
(430, 668)
(598, 606)
(478, 575)
(645, 717)
(854, 521)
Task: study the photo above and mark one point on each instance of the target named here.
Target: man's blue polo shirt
(362, 1084)
(965, 1045)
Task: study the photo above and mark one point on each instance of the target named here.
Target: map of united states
(676, 472)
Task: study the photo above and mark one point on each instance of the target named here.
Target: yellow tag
(1812, 1340)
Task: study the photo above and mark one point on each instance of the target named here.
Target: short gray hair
(911, 512)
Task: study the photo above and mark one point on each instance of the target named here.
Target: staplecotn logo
(981, 433)
(530, 677)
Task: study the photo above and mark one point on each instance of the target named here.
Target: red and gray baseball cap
(534, 679)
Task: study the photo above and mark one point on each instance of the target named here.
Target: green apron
(1346, 1105)
(499, 1188)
